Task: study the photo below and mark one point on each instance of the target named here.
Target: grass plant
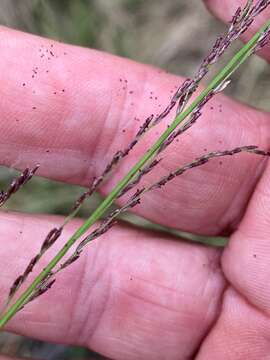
(187, 114)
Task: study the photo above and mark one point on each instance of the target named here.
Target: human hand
(135, 294)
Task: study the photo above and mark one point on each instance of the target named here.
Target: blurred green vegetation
(58, 19)
(154, 31)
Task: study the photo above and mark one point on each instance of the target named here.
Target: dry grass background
(173, 34)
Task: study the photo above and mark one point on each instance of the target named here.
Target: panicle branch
(17, 183)
(135, 199)
(50, 239)
(205, 159)
(263, 40)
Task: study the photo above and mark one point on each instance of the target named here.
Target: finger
(250, 246)
(243, 328)
(73, 134)
(241, 332)
(133, 295)
(225, 10)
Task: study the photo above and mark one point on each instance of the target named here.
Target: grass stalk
(218, 80)
(240, 23)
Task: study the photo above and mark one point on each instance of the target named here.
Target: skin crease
(137, 295)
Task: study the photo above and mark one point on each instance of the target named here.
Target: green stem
(224, 74)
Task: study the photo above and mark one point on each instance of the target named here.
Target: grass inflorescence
(187, 114)
(17, 183)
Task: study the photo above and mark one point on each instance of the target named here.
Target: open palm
(136, 294)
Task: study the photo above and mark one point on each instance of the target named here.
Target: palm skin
(135, 294)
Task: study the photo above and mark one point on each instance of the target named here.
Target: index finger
(70, 109)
